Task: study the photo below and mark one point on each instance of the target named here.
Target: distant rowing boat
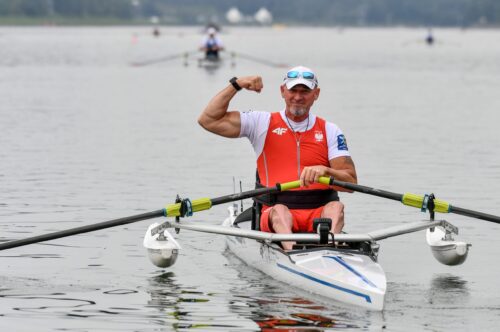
(210, 63)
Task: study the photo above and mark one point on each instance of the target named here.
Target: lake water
(87, 137)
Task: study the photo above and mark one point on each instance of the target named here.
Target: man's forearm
(216, 118)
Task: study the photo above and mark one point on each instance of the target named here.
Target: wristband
(235, 84)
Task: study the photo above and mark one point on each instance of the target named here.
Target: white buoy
(446, 250)
(162, 248)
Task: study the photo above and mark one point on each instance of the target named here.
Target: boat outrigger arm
(163, 249)
(308, 237)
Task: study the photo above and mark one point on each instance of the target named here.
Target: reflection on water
(32, 256)
(60, 302)
(448, 290)
(253, 305)
(183, 308)
(304, 321)
(265, 301)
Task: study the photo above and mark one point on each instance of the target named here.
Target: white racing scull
(344, 269)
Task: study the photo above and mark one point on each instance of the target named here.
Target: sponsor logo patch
(280, 131)
(341, 143)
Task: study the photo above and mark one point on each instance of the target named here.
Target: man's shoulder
(255, 119)
(329, 124)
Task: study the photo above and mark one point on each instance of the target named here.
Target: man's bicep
(228, 126)
(231, 124)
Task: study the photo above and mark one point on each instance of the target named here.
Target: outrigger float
(342, 267)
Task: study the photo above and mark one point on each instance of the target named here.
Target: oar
(163, 59)
(259, 60)
(422, 202)
(184, 208)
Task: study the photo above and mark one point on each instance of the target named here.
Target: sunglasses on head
(305, 74)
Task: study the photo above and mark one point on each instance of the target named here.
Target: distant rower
(430, 39)
(211, 45)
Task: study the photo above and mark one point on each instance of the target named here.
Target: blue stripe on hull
(350, 268)
(343, 289)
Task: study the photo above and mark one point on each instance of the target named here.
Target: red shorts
(302, 219)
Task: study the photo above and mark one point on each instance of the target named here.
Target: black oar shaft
(475, 214)
(399, 197)
(367, 190)
(164, 59)
(243, 195)
(82, 229)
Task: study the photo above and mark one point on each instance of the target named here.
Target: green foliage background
(463, 13)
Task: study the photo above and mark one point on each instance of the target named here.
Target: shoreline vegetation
(113, 21)
(381, 13)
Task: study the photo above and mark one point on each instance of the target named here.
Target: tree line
(463, 13)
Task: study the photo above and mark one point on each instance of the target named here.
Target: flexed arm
(216, 118)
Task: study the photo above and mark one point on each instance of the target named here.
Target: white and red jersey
(283, 147)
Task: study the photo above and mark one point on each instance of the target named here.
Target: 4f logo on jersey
(318, 136)
(280, 131)
(341, 143)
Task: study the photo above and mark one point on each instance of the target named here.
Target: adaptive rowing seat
(246, 215)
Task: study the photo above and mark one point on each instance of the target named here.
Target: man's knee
(280, 214)
(336, 207)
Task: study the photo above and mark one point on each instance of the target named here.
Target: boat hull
(342, 275)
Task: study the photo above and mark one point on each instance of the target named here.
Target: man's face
(299, 99)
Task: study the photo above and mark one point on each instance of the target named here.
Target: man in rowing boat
(211, 45)
(291, 144)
